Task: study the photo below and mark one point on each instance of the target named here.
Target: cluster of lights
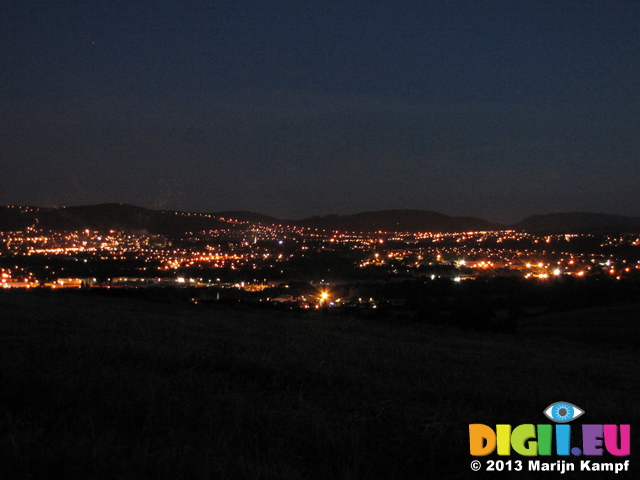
(273, 246)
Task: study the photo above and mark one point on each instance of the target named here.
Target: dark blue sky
(498, 109)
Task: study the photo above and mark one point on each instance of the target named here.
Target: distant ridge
(399, 221)
(111, 216)
(133, 219)
(576, 222)
(250, 217)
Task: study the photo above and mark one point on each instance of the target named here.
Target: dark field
(96, 386)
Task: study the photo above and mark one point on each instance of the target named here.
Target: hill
(135, 219)
(18, 218)
(249, 217)
(113, 216)
(103, 386)
(398, 221)
(615, 326)
(129, 218)
(576, 222)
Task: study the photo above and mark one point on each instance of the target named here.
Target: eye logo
(563, 412)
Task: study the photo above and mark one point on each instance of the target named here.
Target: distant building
(156, 241)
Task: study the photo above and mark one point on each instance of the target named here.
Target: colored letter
(503, 432)
(544, 439)
(563, 439)
(523, 440)
(592, 439)
(482, 440)
(611, 440)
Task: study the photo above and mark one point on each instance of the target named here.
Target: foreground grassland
(94, 386)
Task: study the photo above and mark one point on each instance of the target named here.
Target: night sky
(497, 109)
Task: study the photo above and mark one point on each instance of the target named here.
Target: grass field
(96, 386)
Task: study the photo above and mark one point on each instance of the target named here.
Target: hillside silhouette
(132, 219)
